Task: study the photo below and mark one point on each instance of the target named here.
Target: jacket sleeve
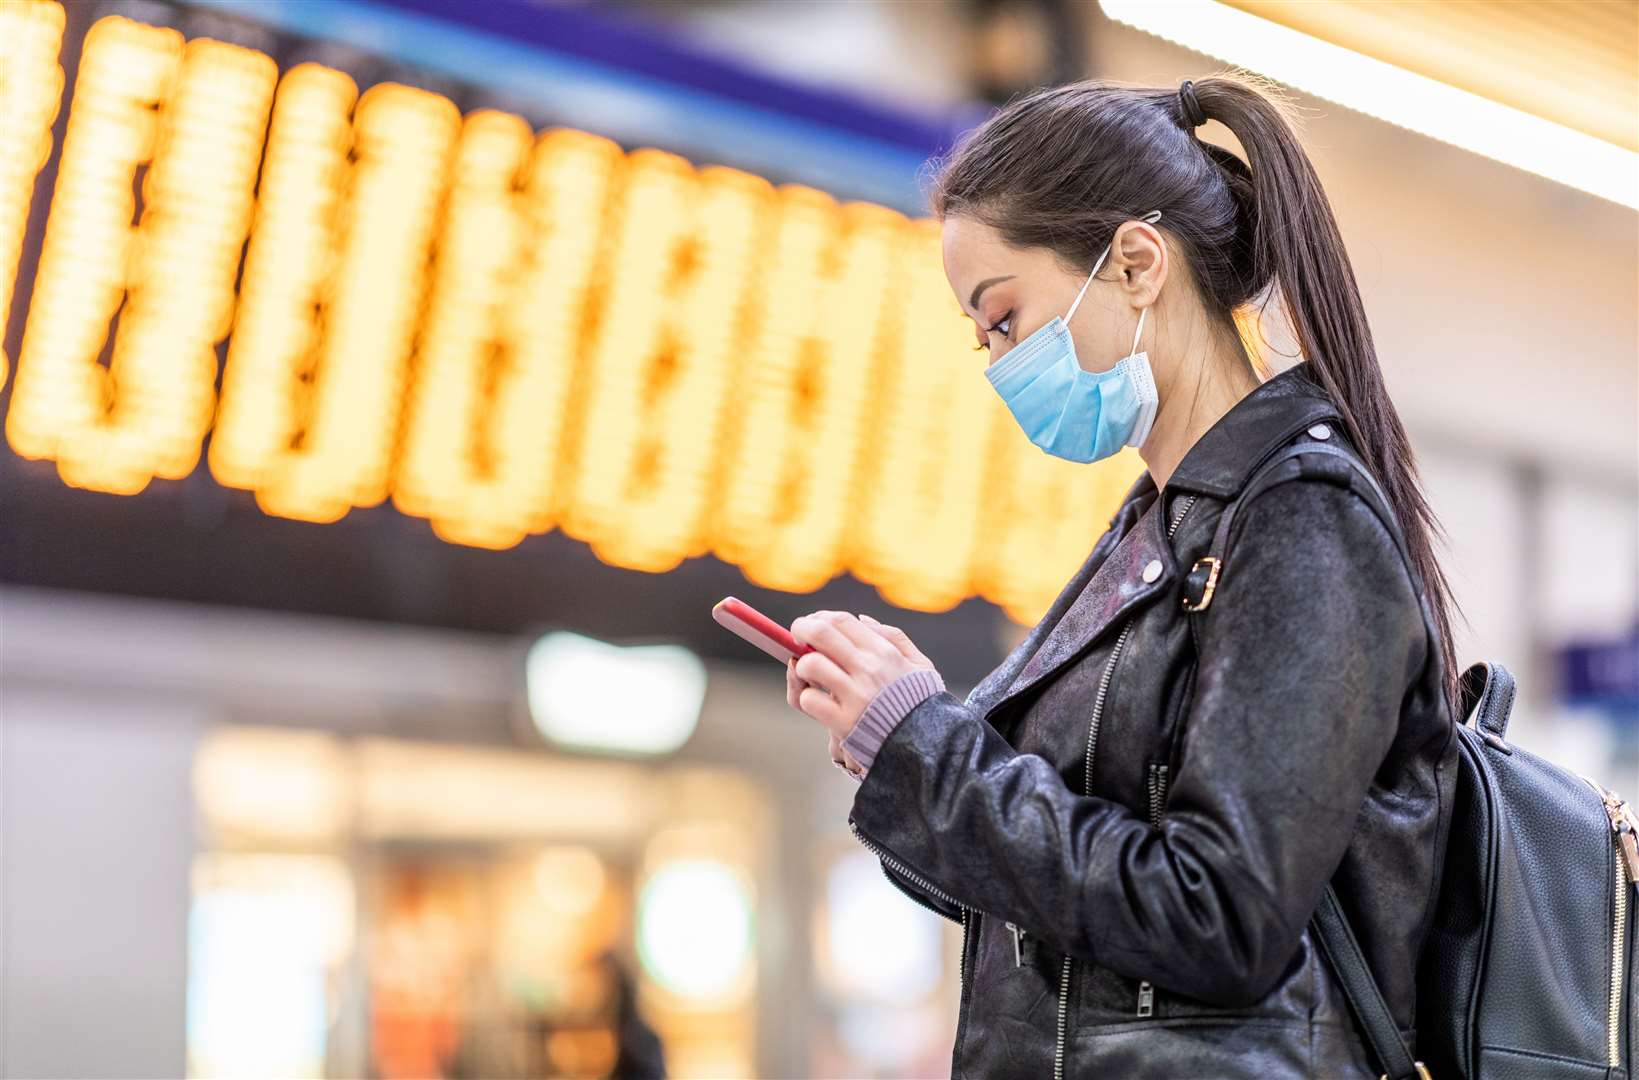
(884, 712)
(1310, 642)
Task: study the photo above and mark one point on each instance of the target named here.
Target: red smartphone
(749, 623)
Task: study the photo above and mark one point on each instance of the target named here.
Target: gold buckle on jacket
(1209, 587)
(1422, 1073)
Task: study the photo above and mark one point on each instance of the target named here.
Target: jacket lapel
(987, 694)
(1115, 590)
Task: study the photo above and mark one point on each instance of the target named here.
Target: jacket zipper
(1158, 792)
(1086, 786)
(1158, 799)
(1625, 849)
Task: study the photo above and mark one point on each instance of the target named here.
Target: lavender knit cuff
(887, 709)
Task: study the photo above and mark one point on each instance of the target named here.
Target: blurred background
(391, 388)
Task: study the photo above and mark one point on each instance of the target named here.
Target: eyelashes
(1003, 326)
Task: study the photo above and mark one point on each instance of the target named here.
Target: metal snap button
(1152, 570)
(1321, 432)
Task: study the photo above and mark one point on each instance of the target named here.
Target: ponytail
(1294, 240)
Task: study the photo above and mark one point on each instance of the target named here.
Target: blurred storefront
(350, 851)
(469, 905)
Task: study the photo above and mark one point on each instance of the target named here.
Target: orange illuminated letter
(662, 366)
(196, 115)
(332, 289)
(800, 432)
(31, 84)
(936, 419)
(516, 256)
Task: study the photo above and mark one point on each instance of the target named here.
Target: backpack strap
(1329, 925)
(1299, 461)
(1342, 951)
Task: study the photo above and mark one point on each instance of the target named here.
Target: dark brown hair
(1061, 168)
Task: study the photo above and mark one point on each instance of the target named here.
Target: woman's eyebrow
(978, 290)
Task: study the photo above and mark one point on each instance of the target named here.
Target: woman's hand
(851, 662)
(794, 686)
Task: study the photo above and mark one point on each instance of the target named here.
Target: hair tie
(1193, 115)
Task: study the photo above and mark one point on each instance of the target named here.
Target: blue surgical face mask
(1068, 411)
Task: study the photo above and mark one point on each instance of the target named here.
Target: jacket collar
(1223, 459)
(1112, 582)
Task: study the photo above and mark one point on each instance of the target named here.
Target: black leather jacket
(1156, 799)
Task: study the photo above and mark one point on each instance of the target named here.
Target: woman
(1135, 815)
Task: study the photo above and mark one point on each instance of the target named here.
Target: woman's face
(1009, 292)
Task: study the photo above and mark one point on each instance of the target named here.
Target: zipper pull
(1146, 999)
(1018, 944)
(1630, 855)
(1627, 836)
(1625, 824)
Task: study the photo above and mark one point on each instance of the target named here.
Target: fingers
(824, 636)
(794, 685)
(849, 663)
(844, 639)
(822, 707)
(820, 671)
(840, 753)
(898, 639)
(854, 630)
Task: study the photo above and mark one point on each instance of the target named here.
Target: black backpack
(1528, 968)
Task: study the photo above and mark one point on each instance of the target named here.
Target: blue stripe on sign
(632, 107)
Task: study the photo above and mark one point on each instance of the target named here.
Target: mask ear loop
(1150, 218)
(1139, 332)
(1068, 315)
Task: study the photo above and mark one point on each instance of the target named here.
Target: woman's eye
(1002, 326)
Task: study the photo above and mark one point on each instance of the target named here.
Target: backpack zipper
(1086, 785)
(1158, 799)
(1625, 849)
(1619, 911)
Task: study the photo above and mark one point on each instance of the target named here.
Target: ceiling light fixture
(1392, 94)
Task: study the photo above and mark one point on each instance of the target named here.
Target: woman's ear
(1141, 259)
